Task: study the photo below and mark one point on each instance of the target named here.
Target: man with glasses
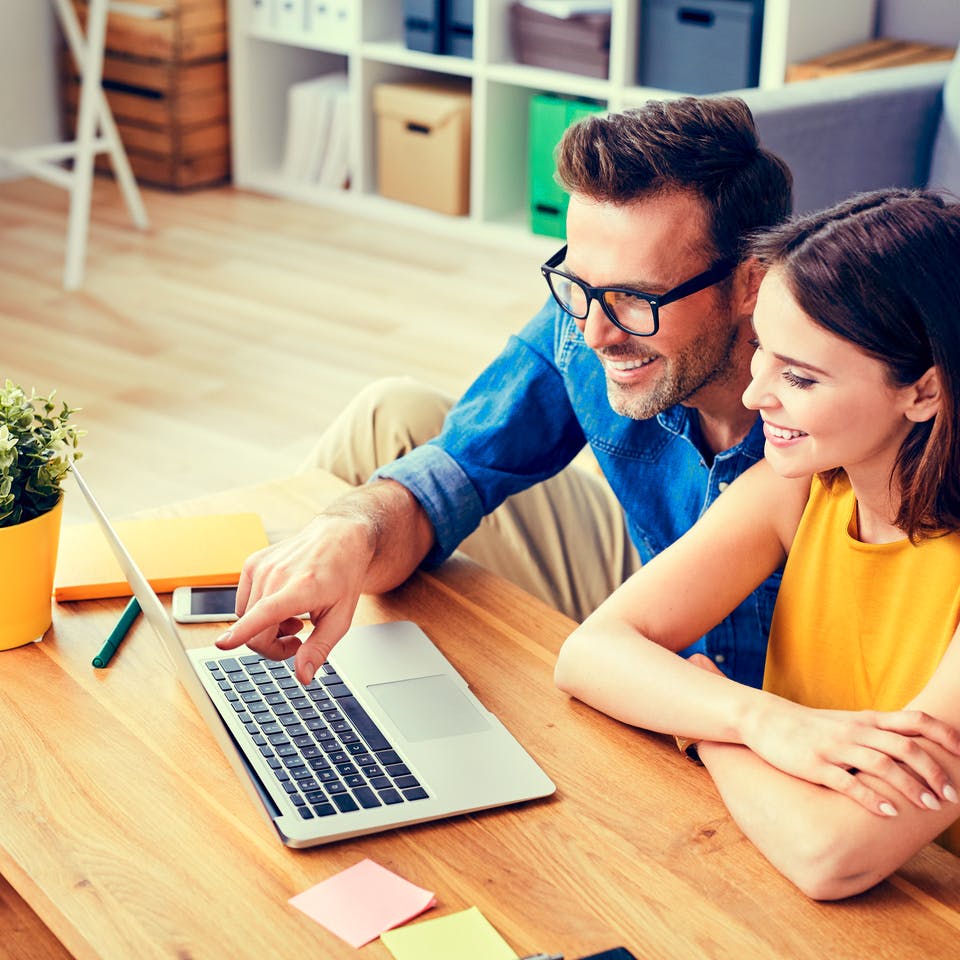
(642, 352)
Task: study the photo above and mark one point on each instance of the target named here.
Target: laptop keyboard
(323, 747)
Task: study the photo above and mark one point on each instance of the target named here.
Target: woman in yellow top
(848, 761)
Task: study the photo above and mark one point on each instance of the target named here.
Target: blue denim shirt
(529, 414)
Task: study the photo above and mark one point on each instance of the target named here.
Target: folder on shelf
(334, 170)
(318, 131)
(172, 551)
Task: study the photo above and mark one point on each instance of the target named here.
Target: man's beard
(708, 359)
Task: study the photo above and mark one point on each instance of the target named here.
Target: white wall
(28, 75)
(926, 21)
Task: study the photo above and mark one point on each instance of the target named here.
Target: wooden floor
(210, 350)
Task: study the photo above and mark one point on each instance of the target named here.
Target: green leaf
(36, 449)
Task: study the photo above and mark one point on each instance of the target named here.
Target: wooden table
(125, 830)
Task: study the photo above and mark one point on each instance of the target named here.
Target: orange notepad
(171, 551)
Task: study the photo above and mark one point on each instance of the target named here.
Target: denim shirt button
(719, 658)
(722, 485)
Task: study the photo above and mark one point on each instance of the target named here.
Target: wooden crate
(175, 30)
(871, 55)
(166, 81)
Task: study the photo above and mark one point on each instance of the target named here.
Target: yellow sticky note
(467, 935)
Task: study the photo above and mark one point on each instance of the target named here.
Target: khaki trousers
(564, 540)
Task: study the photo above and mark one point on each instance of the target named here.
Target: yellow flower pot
(28, 559)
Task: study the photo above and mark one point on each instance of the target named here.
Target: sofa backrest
(945, 163)
(860, 131)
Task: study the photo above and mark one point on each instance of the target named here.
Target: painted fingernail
(888, 809)
(930, 801)
(950, 794)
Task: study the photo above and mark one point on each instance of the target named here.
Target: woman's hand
(835, 747)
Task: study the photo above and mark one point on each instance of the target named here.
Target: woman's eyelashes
(802, 383)
(794, 379)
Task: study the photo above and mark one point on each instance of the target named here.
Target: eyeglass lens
(633, 313)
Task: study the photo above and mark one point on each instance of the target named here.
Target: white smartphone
(204, 604)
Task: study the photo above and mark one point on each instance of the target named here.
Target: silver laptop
(387, 734)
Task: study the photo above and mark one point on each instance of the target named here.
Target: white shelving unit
(268, 53)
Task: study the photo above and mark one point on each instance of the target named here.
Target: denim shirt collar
(682, 422)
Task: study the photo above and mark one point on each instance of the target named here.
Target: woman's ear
(923, 397)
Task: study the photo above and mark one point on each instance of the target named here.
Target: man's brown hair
(708, 145)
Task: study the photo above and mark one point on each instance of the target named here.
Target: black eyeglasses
(633, 311)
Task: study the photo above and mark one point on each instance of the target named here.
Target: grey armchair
(863, 131)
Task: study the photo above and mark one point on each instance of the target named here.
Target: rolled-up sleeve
(513, 428)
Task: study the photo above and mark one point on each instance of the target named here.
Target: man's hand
(320, 571)
(368, 541)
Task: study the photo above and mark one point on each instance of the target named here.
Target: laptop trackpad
(427, 708)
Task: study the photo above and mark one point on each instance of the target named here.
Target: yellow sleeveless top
(861, 626)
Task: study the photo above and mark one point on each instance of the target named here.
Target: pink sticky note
(359, 903)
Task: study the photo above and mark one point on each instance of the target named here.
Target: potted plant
(37, 445)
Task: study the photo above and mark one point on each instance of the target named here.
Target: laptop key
(323, 810)
(389, 795)
(407, 781)
(362, 723)
(345, 803)
(415, 793)
(381, 783)
(386, 757)
(305, 813)
(366, 797)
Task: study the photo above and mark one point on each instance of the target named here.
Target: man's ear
(923, 397)
(746, 284)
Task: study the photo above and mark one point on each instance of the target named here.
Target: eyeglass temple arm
(719, 271)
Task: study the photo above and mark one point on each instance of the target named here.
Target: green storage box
(550, 115)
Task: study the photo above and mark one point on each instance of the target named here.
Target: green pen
(118, 633)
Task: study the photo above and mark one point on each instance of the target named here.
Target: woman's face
(824, 402)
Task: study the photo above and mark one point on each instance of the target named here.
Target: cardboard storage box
(704, 46)
(872, 55)
(423, 144)
(577, 44)
(165, 78)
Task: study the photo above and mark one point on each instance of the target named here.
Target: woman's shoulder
(767, 495)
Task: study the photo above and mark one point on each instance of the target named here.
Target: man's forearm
(397, 530)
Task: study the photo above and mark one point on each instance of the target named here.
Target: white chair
(96, 133)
